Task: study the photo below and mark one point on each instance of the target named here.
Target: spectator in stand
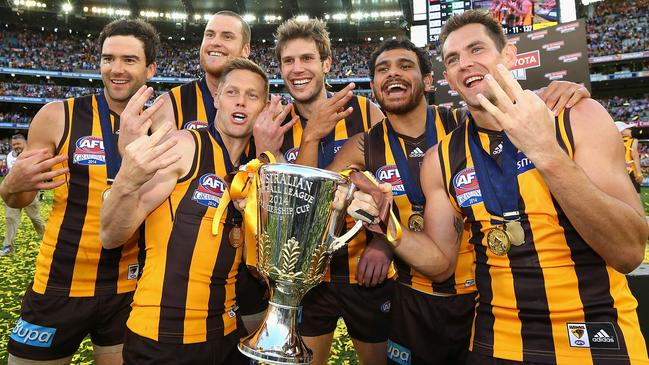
(627, 109)
(62, 51)
(618, 27)
(33, 210)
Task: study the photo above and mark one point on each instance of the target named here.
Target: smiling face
(469, 54)
(123, 67)
(17, 145)
(241, 97)
(398, 83)
(222, 38)
(302, 70)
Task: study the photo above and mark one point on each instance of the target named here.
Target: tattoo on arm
(459, 227)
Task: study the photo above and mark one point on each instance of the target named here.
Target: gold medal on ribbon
(105, 193)
(499, 241)
(516, 232)
(235, 237)
(416, 222)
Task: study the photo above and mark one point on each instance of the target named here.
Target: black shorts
(52, 327)
(429, 329)
(252, 293)
(480, 359)
(140, 350)
(366, 311)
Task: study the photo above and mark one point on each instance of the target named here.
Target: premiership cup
(296, 237)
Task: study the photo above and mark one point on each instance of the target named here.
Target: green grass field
(17, 270)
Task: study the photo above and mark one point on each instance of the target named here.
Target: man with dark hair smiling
(80, 288)
(544, 200)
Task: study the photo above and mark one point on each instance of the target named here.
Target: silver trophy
(296, 234)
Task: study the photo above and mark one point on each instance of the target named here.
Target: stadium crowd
(614, 27)
(44, 90)
(15, 118)
(627, 109)
(74, 52)
(618, 27)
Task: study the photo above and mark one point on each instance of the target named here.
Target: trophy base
(281, 346)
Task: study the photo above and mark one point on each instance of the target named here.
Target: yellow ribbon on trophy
(244, 186)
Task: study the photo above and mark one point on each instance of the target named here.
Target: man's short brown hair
(240, 63)
(312, 29)
(137, 28)
(493, 29)
(245, 28)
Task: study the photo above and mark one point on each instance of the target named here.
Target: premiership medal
(416, 222)
(499, 241)
(105, 193)
(235, 237)
(410, 178)
(516, 232)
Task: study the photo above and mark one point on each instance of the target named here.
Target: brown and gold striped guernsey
(344, 261)
(552, 300)
(379, 160)
(190, 110)
(186, 293)
(71, 261)
(628, 155)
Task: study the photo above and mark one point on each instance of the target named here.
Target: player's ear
(509, 52)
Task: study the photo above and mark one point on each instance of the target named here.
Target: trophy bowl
(295, 240)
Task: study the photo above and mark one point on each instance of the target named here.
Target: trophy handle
(339, 242)
(342, 240)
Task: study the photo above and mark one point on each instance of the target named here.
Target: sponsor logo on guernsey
(195, 124)
(467, 189)
(32, 335)
(399, 354)
(469, 283)
(523, 164)
(594, 335)
(133, 272)
(89, 150)
(291, 155)
(210, 190)
(338, 145)
(390, 174)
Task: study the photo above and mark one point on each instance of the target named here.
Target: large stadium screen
(520, 16)
(516, 16)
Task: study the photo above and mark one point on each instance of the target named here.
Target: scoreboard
(439, 11)
(515, 16)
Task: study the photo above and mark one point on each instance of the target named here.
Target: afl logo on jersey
(467, 190)
(195, 124)
(291, 155)
(390, 174)
(89, 150)
(210, 190)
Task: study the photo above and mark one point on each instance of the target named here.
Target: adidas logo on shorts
(602, 336)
